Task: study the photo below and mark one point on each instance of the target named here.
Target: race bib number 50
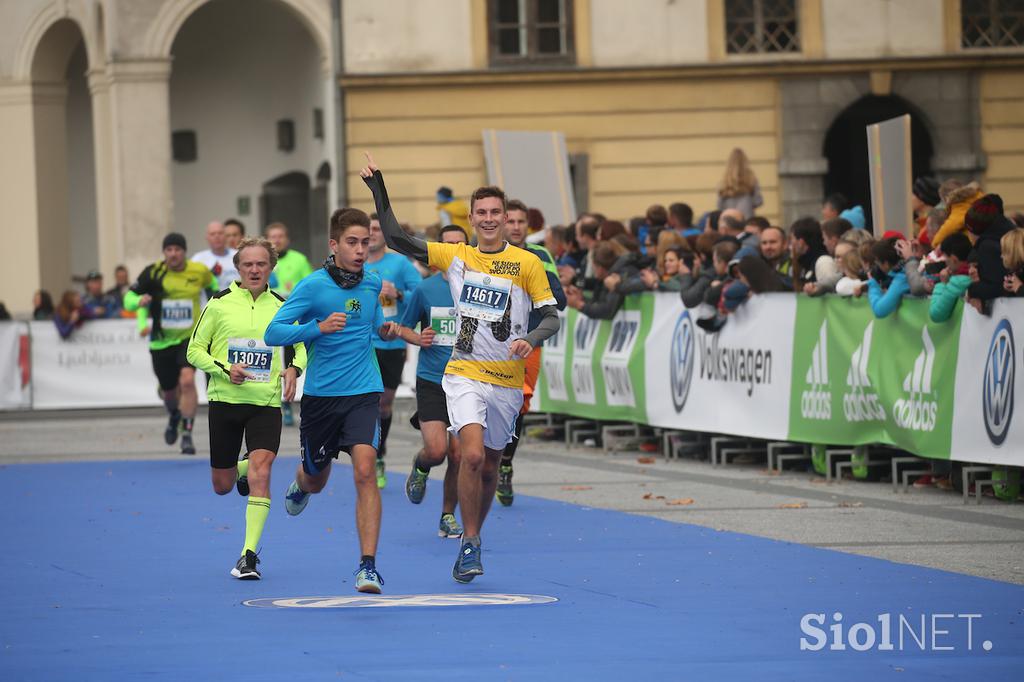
(254, 353)
(443, 322)
(484, 297)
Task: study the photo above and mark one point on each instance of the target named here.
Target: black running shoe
(187, 448)
(242, 482)
(504, 492)
(171, 432)
(245, 569)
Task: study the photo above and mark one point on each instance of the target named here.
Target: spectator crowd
(960, 246)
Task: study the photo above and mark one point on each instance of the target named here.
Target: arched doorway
(64, 157)
(243, 72)
(286, 199)
(846, 146)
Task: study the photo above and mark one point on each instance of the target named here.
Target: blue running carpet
(120, 571)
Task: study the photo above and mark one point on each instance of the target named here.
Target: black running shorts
(431, 404)
(331, 424)
(167, 364)
(391, 362)
(260, 425)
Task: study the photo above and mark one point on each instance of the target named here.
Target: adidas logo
(816, 401)
(860, 403)
(918, 412)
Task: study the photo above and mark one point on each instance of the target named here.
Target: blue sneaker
(368, 579)
(295, 500)
(449, 527)
(416, 484)
(468, 565)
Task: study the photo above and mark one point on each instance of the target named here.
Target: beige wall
(233, 100)
(648, 32)
(648, 142)
(1002, 135)
(882, 28)
(407, 36)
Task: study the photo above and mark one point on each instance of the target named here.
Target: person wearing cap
(97, 305)
(453, 211)
(986, 222)
(171, 289)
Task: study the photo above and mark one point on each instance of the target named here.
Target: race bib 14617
(484, 297)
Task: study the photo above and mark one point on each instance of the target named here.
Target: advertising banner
(14, 374)
(103, 364)
(735, 381)
(860, 380)
(812, 370)
(987, 422)
(595, 368)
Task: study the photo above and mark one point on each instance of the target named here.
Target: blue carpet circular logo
(364, 601)
(681, 360)
(997, 383)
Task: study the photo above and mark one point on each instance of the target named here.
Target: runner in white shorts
(495, 286)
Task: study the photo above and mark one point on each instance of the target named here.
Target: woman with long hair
(68, 315)
(42, 305)
(739, 188)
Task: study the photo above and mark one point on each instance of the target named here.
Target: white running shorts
(475, 402)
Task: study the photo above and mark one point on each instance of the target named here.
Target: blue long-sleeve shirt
(397, 269)
(342, 363)
(884, 303)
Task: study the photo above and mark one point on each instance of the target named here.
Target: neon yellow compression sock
(256, 512)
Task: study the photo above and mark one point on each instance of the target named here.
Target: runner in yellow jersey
(495, 286)
(170, 289)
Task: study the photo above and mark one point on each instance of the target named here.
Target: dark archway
(286, 199)
(846, 146)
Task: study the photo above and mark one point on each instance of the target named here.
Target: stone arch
(314, 14)
(63, 151)
(25, 65)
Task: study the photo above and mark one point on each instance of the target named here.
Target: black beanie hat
(175, 239)
(927, 190)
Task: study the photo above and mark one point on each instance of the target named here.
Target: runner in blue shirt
(399, 279)
(336, 311)
(432, 308)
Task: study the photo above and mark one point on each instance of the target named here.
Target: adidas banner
(814, 370)
(857, 379)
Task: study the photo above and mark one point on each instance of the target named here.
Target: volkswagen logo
(997, 383)
(681, 360)
(252, 343)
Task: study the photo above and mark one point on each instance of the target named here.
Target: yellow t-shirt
(494, 294)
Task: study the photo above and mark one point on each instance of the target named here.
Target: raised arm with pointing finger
(394, 235)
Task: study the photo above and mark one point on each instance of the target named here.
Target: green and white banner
(595, 368)
(815, 370)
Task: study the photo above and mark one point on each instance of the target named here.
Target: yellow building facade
(123, 121)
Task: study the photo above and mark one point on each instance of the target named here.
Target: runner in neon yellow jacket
(246, 380)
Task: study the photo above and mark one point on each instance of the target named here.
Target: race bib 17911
(176, 313)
